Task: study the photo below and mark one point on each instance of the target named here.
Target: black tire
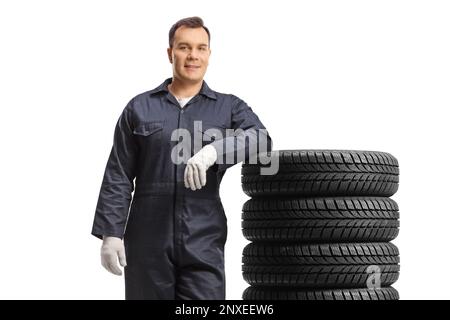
(339, 265)
(321, 220)
(325, 173)
(267, 293)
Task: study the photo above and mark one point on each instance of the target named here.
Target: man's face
(189, 55)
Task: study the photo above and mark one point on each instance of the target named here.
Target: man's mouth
(192, 67)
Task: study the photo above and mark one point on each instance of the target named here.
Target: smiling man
(171, 240)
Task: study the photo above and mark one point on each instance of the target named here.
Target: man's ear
(169, 54)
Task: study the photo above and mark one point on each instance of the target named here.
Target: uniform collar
(205, 90)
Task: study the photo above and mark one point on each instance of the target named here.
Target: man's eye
(182, 48)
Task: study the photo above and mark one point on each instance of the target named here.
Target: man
(173, 243)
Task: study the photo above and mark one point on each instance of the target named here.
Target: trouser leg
(150, 280)
(148, 240)
(202, 275)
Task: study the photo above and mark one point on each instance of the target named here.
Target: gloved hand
(195, 172)
(112, 248)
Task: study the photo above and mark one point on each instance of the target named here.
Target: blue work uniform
(174, 237)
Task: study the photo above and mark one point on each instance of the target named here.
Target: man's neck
(184, 90)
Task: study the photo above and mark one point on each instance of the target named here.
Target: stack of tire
(320, 227)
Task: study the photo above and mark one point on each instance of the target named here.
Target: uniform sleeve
(250, 138)
(118, 181)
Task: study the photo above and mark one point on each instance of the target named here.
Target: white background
(367, 75)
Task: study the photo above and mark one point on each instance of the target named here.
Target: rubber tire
(267, 293)
(325, 173)
(338, 265)
(321, 220)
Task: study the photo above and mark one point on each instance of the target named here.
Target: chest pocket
(149, 135)
(212, 132)
(149, 128)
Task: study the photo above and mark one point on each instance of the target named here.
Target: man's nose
(193, 54)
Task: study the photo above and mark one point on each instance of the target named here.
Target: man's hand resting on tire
(195, 172)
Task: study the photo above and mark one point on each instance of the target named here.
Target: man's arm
(236, 148)
(117, 186)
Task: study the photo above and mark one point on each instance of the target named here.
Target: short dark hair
(191, 22)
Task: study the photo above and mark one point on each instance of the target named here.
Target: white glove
(195, 172)
(112, 248)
